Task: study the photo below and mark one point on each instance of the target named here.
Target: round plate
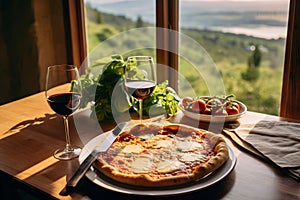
(105, 182)
(214, 118)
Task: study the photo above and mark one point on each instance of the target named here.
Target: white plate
(103, 181)
(214, 118)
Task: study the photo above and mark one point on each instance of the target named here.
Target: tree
(99, 18)
(139, 22)
(254, 60)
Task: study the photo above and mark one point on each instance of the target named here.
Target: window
(241, 46)
(290, 87)
(120, 27)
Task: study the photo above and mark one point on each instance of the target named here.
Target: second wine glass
(140, 79)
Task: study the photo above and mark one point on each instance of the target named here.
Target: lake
(267, 32)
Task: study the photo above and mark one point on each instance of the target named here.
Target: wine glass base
(67, 154)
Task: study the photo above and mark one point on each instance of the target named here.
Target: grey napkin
(279, 141)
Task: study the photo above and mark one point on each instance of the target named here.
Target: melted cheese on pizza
(188, 146)
(142, 164)
(133, 148)
(191, 157)
(169, 166)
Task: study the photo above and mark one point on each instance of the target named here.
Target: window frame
(167, 41)
(77, 34)
(167, 12)
(290, 98)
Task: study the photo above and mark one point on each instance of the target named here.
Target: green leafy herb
(162, 100)
(98, 89)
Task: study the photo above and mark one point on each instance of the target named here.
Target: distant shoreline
(265, 32)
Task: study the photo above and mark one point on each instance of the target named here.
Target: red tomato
(207, 111)
(198, 106)
(233, 104)
(212, 103)
(232, 110)
(220, 111)
(186, 101)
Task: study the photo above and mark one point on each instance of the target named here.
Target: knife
(88, 161)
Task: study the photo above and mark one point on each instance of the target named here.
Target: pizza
(153, 156)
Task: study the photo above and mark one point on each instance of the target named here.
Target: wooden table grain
(30, 132)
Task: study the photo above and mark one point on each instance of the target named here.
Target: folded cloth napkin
(279, 141)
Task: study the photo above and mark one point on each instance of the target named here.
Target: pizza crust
(142, 180)
(169, 177)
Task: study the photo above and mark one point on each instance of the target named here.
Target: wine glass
(63, 93)
(140, 78)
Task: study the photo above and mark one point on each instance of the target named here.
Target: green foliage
(98, 33)
(119, 22)
(139, 22)
(162, 100)
(251, 74)
(99, 83)
(254, 60)
(256, 57)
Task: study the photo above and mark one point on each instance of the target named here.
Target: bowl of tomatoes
(213, 108)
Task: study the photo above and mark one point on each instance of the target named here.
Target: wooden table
(30, 132)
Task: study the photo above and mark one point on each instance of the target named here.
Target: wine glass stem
(67, 132)
(140, 109)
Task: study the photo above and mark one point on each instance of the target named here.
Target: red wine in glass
(140, 79)
(64, 103)
(140, 89)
